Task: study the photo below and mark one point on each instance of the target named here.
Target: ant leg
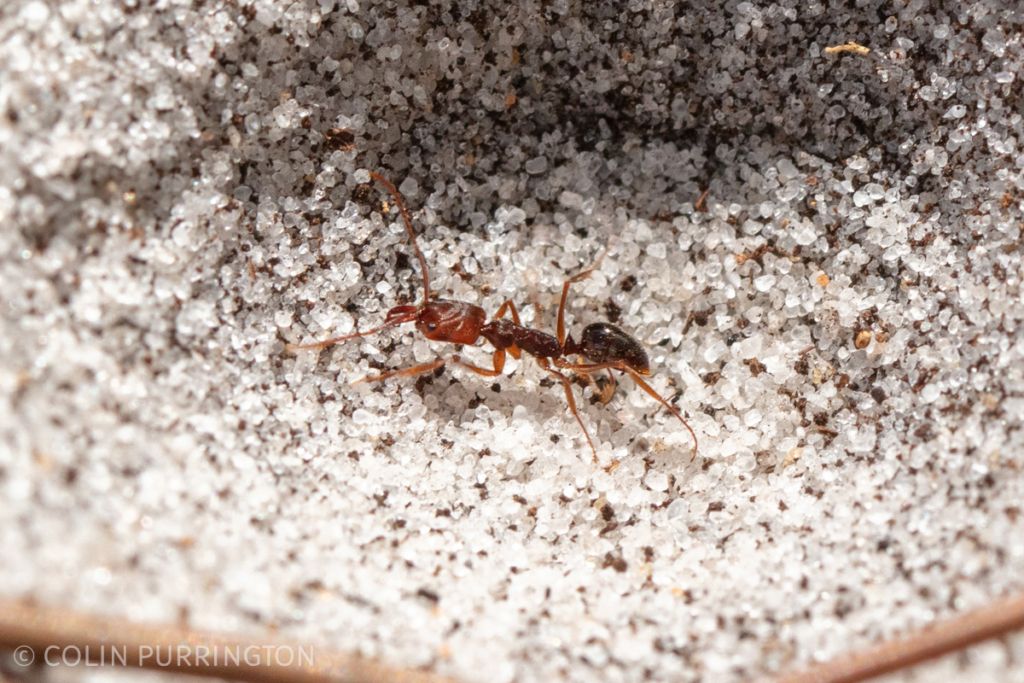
(613, 383)
(668, 406)
(586, 368)
(509, 306)
(604, 391)
(583, 275)
(404, 372)
(538, 307)
(571, 400)
(498, 360)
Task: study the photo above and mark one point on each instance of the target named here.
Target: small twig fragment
(855, 48)
(996, 619)
(699, 205)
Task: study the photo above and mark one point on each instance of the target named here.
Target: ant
(603, 345)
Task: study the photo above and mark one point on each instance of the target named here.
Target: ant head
(450, 321)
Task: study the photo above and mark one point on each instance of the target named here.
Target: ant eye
(431, 327)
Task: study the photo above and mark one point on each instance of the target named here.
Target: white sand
(173, 216)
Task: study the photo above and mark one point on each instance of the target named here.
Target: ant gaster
(603, 345)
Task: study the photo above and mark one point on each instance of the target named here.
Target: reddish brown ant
(603, 345)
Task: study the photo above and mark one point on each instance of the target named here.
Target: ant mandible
(603, 345)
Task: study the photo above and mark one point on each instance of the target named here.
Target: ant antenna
(408, 228)
(292, 348)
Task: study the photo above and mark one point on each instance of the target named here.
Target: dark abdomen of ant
(504, 333)
(604, 342)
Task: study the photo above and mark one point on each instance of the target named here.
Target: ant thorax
(503, 334)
